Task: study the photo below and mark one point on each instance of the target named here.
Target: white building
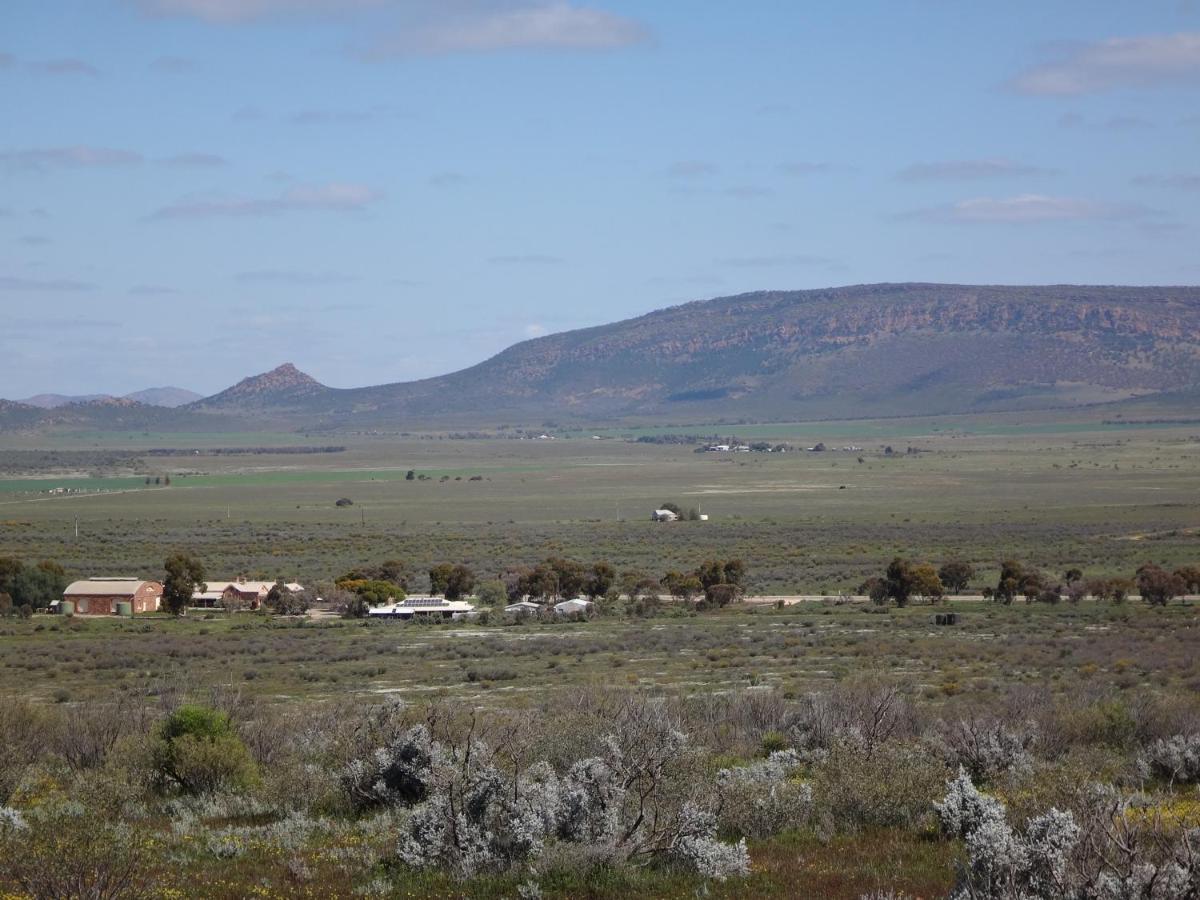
(523, 606)
(575, 605)
(665, 515)
(435, 607)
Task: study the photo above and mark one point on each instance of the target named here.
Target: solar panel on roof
(422, 601)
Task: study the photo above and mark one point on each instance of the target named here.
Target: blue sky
(192, 191)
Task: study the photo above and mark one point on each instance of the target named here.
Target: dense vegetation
(607, 792)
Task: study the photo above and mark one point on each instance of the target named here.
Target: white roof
(421, 604)
(665, 512)
(107, 587)
(576, 604)
(527, 605)
(250, 587)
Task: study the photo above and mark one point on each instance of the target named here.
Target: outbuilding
(100, 596)
(576, 605)
(523, 606)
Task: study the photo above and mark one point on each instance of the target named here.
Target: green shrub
(199, 752)
(894, 786)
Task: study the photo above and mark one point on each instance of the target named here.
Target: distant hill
(850, 352)
(282, 390)
(169, 397)
(53, 401)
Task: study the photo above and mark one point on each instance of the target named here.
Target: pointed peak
(284, 382)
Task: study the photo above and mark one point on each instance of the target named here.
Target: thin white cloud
(293, 278)
(535, 330)
(336, 197)
(1112, 123)
(747, 191)
(173, 64)
(691, 168)
(526, 259)
(233, 11)
(447, 179)
(1112, 64)
(330, 116)
(69, 66)
(555, 25)
(200, 160)
(152, 290)
(807, 168)
(1024, 209)
(249, 114)
(1176, 182)
(783, 259)
(968, 169)
(52, 285)
(69, 157)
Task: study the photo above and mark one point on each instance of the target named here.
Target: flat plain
(1101, 497)
(1074, 692)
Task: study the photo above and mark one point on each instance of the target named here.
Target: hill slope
(861, 351)
(890, 349)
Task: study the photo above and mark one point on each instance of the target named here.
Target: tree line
(903, 581)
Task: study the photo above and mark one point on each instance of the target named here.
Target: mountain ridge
(847, 352)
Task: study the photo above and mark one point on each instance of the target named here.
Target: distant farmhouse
(665, 515)
(241, 593)
(104, 596)
(423, 607)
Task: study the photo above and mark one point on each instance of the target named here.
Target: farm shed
(100, 596)
(435, 607)
(576, 605)
(523, 606)
(665, 515)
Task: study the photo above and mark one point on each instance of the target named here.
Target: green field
(1105, 498)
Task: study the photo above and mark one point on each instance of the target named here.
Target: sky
(193, 191)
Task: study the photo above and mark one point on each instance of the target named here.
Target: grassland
(1101, 497)
(1093, 686)
(1069, 651)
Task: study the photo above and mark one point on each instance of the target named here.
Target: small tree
(682, 587)
(1189, 576)
(1157, 586)
(452, 581)
(876, 588)
(956, 575)
(492, 593)
(1011, 575)
(599, 580)
(900, 580)
(184, 576)
(283, 601)
(926, 583)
